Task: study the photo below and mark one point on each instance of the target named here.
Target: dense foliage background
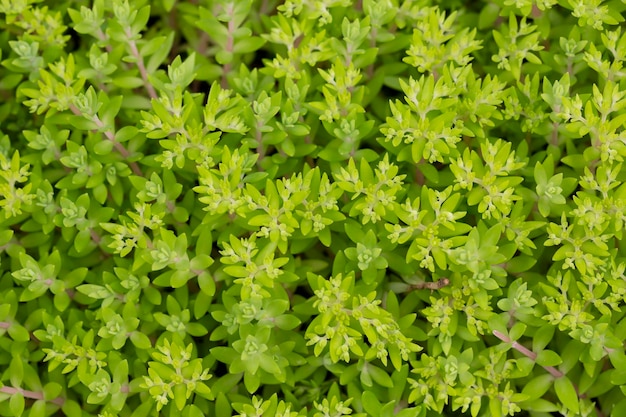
(312, 208)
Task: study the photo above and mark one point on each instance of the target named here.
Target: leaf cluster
(312, 208)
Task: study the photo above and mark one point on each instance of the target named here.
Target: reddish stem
(528, 353)
(31, 394)
(111, 136)
(142, 69)
(230, 43)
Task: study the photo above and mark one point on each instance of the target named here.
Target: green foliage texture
(312, 208)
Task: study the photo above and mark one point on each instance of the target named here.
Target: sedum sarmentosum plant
(312, 208)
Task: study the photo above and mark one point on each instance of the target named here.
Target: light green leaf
(566, 393)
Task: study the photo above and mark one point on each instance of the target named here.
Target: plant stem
(110, 135)
(31, 394)
(528, 353)
(230, 43)
(142, 68)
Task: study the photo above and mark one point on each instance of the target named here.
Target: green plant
(312, 208)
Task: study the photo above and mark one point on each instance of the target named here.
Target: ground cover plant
(312, 208)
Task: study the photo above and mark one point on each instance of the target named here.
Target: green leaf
(193, 411)
(16, 371)
(16, 404)
(160, 54)
(128, 82)
(370, 403)
(180, 396)
(540, 405)
(548, 358)
(566, 393)
(538, 386)
(409, 412)
(251, 381)
(52, 390)
(495, 407)
(619, 409)
(222, 406)
(71, 408)
(618, 377)
(379, 376)
(542, 337)
(18, 333)
(38, 409)
(488, 15)
(248, 44)
(366, 378)
(140, 340)
(224, 354)
(126, 133)
(517, 331)
(196, 330)
(287, 322)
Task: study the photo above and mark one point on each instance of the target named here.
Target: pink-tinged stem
(230, 43)
(142, 68)
(31, 394)
(528, 353)
(111, 136)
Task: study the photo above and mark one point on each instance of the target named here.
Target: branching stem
(528, 353)
(110, 135)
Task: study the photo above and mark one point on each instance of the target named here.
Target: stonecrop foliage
(312, 208)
